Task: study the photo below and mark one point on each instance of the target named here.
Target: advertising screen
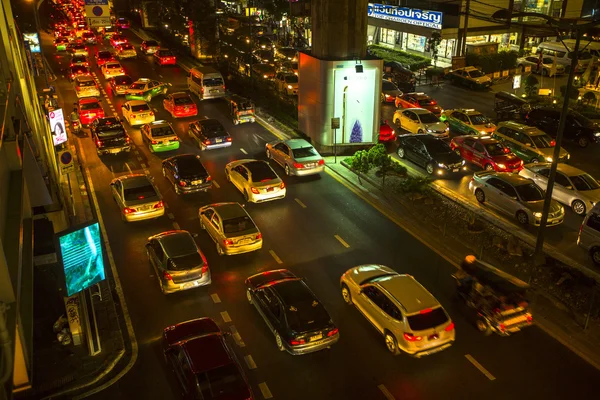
(57, 126)
(34, 41)
(80, 251)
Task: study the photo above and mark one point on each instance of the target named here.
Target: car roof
(136, 102)
(229, 210)
(112, 63)
(566, 169)
(423, 137)
(297, 143)
(482, 139)
(513, 179)
(134, 180)
(418, 95)
(89, 100)
(184, 157)
(419, 110)
(530, 130)
(181, 94)
(408, 292)
(172, 242)
(142, 80)
(292, 291)
(84, 78)
(207, 352)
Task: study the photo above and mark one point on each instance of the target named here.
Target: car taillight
(204, 269)
(506, 150)
(182, 183)
(127, 139)
(202, 90)
(433, 102)
(223, 87)
(450, 327)
(412, 338)
(321, 162)
(122, 70)
(529, 319)
(332, 332)
(153, 141)
(229, 139)
(298, 165)
(282, 185)
(502, 327)
(258, 236)
(151, 113)
(552, 143)
(160, 204)
(179, 108)
(167, 276)
(227, 242)
(99, 143)
(77, 87)
(209, 178)
(207, 141)
(296, 342)
(128, 210)
(254, 190)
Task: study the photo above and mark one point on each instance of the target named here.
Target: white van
(589, 233)
(206, 83)
(563, 57)
(592, 47)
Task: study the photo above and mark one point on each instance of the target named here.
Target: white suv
(85, 86)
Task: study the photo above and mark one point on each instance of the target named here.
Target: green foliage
(412, 61)
(489, 63)
(589, 97)
(531, 85)
(412, 184)
(360, 162)
(376, 157)
(574, 92)
(277, 8)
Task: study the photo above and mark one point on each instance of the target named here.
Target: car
(231, 228)
(418, 100)
(386, 132)
(389, 91)
(420, 120)
(204, 363)
(296, 156)
(408, 316)
(431, 153)
(78, 70)
(146, 89)
(264, 56)
(487, 153)
(286, 53)
(545, 67)
(515, 196)
(89, 108)
(137, 112)
(108, 32)
(187, 174)
(255, 179)
(292, 312)
(122, 23)
(89, 37)
(77, 49)
(470, 77)
(125, 50)
(263, 43)
(572, 187)
(120, 84)
(79, 60)
(86, 86)
(104, 56)
(467, 122)
(111, 69)
(177, 261)
(160, 136)
(118, 39)
(180, 104)
(290, 66)
(210, 134)
(264, 71)
(589, 234)
(164, 57)
(109, 136)
(149, 47)
(287, 83)
(578, 129)
(137, 197)
(61, 43)
(528, 142)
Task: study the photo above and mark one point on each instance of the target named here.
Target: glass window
(562, 180)
(495, 149)
(542, 141)
(478, 147)
(238, 224)
(304, 152)
(530, 192)
(139, 193)
(428, 118)
(428, 320)
(222, 381)
(594, 222)
(479, 119)
(584, 182)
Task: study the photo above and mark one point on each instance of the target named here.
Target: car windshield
(90, 106)
(151, 43)
(530, 192)
(427, 320)
(140, 107)
(139, 193)
(137, 86)
(304, 152)
(495, 149)
(291, 79)
(180, 101)
(213, 82)
(428, 118)
(166, 54)
(387, 85)
(261, 172)
(162, 131)
(220, 382)
(547, 60)
(542, 141)
(584, 182)
(110, 133)
(86, 83)
(479, 119)
(306, 316)
(104, 55)
(113, 66)
(237, 224)
(476, 74)
(190, 167)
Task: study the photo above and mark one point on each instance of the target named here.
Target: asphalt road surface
(300, 234)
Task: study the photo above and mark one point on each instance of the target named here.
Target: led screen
(81, 255)
(353, 104)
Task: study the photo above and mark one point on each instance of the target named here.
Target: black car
(432, 153)
(109, 136)
(578, 129)
(299, 321)
(210, 134)
(186, 173)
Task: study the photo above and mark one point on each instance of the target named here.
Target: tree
(203, 16)
(356, 136)
(276, 8)
(531, 87)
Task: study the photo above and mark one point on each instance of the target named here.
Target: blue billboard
(404, 15)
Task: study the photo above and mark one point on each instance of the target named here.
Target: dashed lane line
(176, 226)
(250, 362)
(128, 168)
(480, 367)
(275, 256)
(215, 298)
(301, 203)
(143, 165)
(386, 392)
(236, 336)
(216, 184)
(165, 205)
(225, 316)
(171, 216)
(264, 389)
(342, 241)
(243, 151)
(139, 158)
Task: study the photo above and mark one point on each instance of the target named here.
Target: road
(449, 96)
(300, 231)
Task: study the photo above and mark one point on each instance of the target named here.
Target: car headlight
(289, 86)
(501, 166)
(483, 132)
(597, 134)
(442, 165)
(549, 159)
(429, 130)
(537, 215)
(463, 162)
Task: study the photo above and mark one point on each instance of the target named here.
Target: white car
(78, 49)
(85, 86)
(137, 197)
(137, 112)
(256, 180)
(125, 50)
(545, 68)
(419, 120)
(573, 187)
(112, 69)
(287, 82)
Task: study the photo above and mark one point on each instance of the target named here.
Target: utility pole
(463, 51)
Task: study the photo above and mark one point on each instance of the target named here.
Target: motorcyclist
(75, 121)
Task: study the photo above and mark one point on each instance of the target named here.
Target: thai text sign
(410, 16)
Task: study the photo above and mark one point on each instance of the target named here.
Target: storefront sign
(410, 16)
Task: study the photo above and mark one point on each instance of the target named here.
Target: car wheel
(279, 342)
(227, 176)
(246, 195)
(249, 296)
(480, 196)
(595, 253)
(346, 294)
(220, 250)
(535, 161)
(400, 152)
(578, 207)
(430, 169)
(390, 343)
(397, 122)
(583, 142)
(489, 167)
(420, 131)
(522, 218)
(268, 154)
(148, 98)
(483, 326)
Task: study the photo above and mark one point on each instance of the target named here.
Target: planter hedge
(489, 63)
(412, 61)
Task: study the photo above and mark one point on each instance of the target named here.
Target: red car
(180, 105)
(122, 23)
(205, 364)
(104, 56)
(164, 57)
(386, 133)
(487, 153)
(418, 100)
(89, 109)
(117, 39)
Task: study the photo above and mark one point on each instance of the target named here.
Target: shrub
(413, 184)
(531, 83)
(493, 62)
(574, 92)
(412, 61)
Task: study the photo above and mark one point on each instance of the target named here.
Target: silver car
(296, 156)
(400, 308)
(514, 195)
(137, 197)
(420, 120)
(230, 227)
(545, 68)
(573, 187)
(256, 180)
(178, 262)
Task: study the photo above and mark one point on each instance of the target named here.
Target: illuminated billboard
(57, 126)
(34, 42)
(80, 251)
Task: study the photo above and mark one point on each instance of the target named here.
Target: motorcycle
(76, 126)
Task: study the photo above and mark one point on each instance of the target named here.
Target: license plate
(311, 165)
(197, 182)
(270, 189)
(317, 337)
(115, 151)
(245, 241)
(165, 142)
(455, 170)
(141, 116)
(218, 140)
(92, 114)
(213, 91)
(146, 208)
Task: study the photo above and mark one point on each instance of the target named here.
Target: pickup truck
(109, 136)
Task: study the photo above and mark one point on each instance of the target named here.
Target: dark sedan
(210, 134)
(431, 153)
(120, 84)
(578, 129)
(186, 173)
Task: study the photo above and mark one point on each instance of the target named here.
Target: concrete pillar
(339, 29)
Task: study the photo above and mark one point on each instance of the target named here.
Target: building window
(388, 36)
(415, 42)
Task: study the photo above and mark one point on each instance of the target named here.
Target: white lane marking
(112, 171)
(171, 216)
(216, 184)
(136, 152)
(272, 253)
(165, 204)
(301, 203)
(176, 226)
(236, 336)
(342, 241)
(480, 367)
(225, 316)
(243, 151)
(250, 362)
(215, 298)
(108, 101)
(146, 171)
(160, 75)
(264, 389)
(143, 166)
(386, 392)
(139, 158)
(128, 168)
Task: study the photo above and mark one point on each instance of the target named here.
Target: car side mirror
(569, 187)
